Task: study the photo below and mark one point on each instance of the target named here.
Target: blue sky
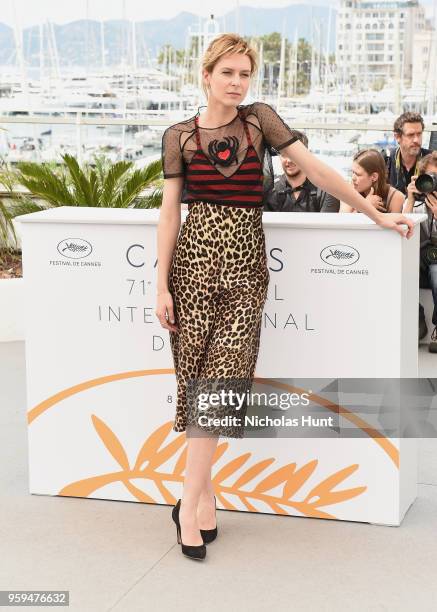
(30, 12)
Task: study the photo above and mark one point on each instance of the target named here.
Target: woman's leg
(200, 454)
(206, 516)
(237, 363)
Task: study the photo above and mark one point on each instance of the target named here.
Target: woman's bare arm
(168, 228)
(331, 181)
(345, 208)
(408, 206)
(397, 202)
(167, 233)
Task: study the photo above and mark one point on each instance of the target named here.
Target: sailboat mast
(326, 75)
(397, 80)
(134, 46)
(102, 44)
(18, 33)
(281, 69)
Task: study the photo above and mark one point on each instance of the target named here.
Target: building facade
(375, 41)
(424, 58)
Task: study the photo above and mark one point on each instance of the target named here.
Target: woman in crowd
(369, 178)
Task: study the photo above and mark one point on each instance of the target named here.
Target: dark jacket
(427, 228)
(311, 198)
(396, 176)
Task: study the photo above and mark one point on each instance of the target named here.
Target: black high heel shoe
(209, 535)
(194, 552)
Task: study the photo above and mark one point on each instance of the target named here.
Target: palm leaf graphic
(166, 494)
(149, 452)
(299, 478)
(225, 502)
(111, 442)
(247, 503)
(230, 468)
(283, 474)
(87, 486)
(252, 472)
(220, 450)
(323, 494)
(138, 493)
(154, 453)
(152, 444)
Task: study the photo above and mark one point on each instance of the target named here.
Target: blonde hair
(223, 44)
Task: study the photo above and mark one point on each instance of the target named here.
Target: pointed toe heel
(209, 535)
(194, 552)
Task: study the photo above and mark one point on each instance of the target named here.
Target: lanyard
(398, 163)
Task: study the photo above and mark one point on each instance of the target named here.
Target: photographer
(403, 161)
(421, 200)
(294, 192)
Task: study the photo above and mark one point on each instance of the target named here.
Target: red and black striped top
(243, 188)
(229, 164)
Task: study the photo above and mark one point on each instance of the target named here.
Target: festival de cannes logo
(339, 255)
(74, 248)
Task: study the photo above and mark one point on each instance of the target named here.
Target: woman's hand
(375, 200)
(165, 311)
(395, 221)
(323, 176)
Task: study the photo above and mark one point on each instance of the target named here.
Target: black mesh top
(266, 129)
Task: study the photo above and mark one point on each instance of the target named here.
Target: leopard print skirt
(218, 279)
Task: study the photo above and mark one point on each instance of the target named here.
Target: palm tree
(111, 185)
(8, 180)
(5, 224)
(103, 184)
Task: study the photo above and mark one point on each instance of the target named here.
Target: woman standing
(369, 178)
(213, 275)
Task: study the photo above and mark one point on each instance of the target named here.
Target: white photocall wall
(101, 387)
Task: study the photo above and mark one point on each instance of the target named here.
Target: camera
(425, 183)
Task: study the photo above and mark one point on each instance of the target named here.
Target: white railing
(80, 119)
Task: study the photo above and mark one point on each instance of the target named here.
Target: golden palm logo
(160, 447)
(155, 452)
